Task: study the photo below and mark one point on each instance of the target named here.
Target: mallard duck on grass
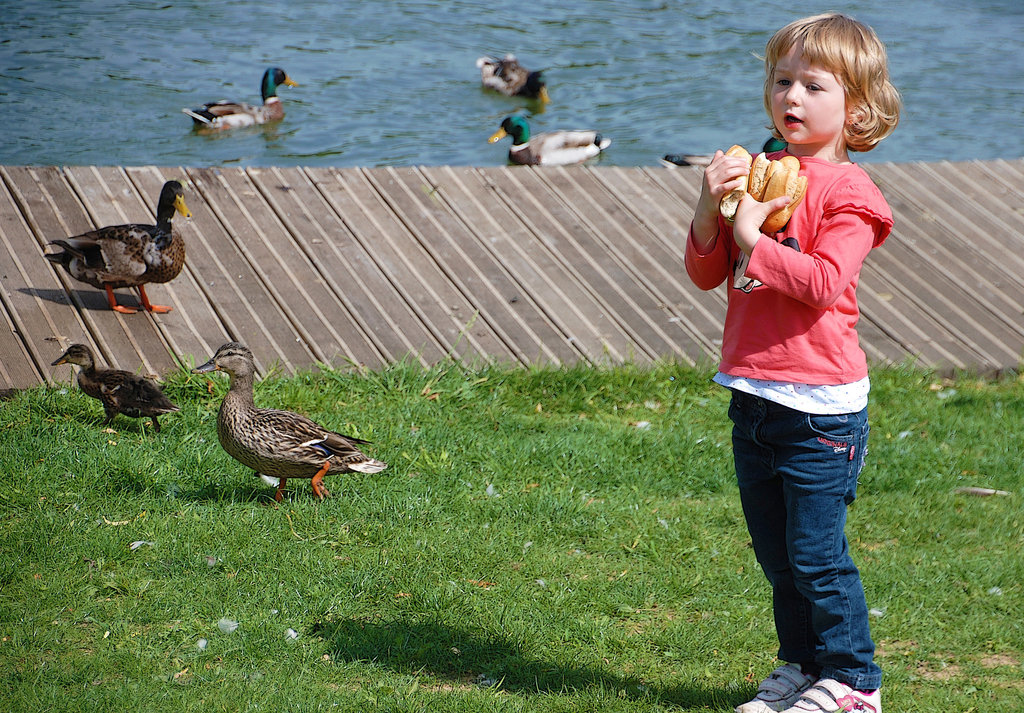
(556, 148)
(119, 391)
(278, 444)
(226, 114)
(512, 79)
(129, 255)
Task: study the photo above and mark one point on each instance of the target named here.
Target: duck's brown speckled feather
(120, 392)
(128, 255)
(277, 443)
(508, 76)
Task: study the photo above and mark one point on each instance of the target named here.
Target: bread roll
(731, 200)
(783, 179)
(758, 176)
(766, 181)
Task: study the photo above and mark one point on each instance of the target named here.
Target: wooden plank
(663, 216)
(959, 233)
(34, 301)
(922, 332)
(994, 192)
(372, 225)
(391, 262)
(1009, 173)
(966, 313)
(657, 272)
(442, 310)
(380, 312)
(292, 274)
(236, 286)
(358, 290)
(303, 335)
(498, 230)
(951, 282)
(888, 336)
(54, 210)
(483, 281)
(682, 182)
(17, 369)
(559, 231)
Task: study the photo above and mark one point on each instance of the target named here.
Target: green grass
(544, 540)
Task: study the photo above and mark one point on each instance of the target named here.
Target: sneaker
(779, 691)
(831, 696)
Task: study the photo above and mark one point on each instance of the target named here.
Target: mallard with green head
(278, 444)
(132, 255)
(556, 148)
(512, 79)
(226, 114)
(119, 391)
(675, 159)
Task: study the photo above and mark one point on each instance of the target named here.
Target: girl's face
(809, 108)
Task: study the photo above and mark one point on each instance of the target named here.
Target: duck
(671, 160)
(771, 145)
(556, 148)
(132, 255)
(512, 79)
(226, 114)
(120, 392)
(279, 444)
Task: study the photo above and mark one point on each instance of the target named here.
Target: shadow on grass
(214, 492)
(94, 418)
(475, 657)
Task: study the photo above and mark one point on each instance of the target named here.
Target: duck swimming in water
(556, 148)
(232, 114)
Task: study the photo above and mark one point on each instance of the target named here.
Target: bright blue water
(393, 82)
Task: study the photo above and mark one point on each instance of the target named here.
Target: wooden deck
(513, 264)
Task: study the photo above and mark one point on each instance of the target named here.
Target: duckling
(129, 255)
(512, 79)
(226, 114)
(557, 148)
(274, 443)
(119, 391)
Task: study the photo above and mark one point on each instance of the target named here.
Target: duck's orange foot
(112, 301)
(144, 298)
(318, 488)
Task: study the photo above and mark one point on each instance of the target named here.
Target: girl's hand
(750, 216)
(720, 176)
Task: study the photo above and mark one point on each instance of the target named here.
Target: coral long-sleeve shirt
(792, 309)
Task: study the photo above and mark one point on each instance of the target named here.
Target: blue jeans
(797, 473)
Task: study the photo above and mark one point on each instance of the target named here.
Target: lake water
(393, 82)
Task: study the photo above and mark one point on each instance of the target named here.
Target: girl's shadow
(476, 657)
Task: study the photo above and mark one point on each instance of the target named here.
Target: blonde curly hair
(853, 53)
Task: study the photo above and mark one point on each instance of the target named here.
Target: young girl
(791, 358)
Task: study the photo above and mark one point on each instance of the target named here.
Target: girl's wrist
(746, 239)
(704, 232)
